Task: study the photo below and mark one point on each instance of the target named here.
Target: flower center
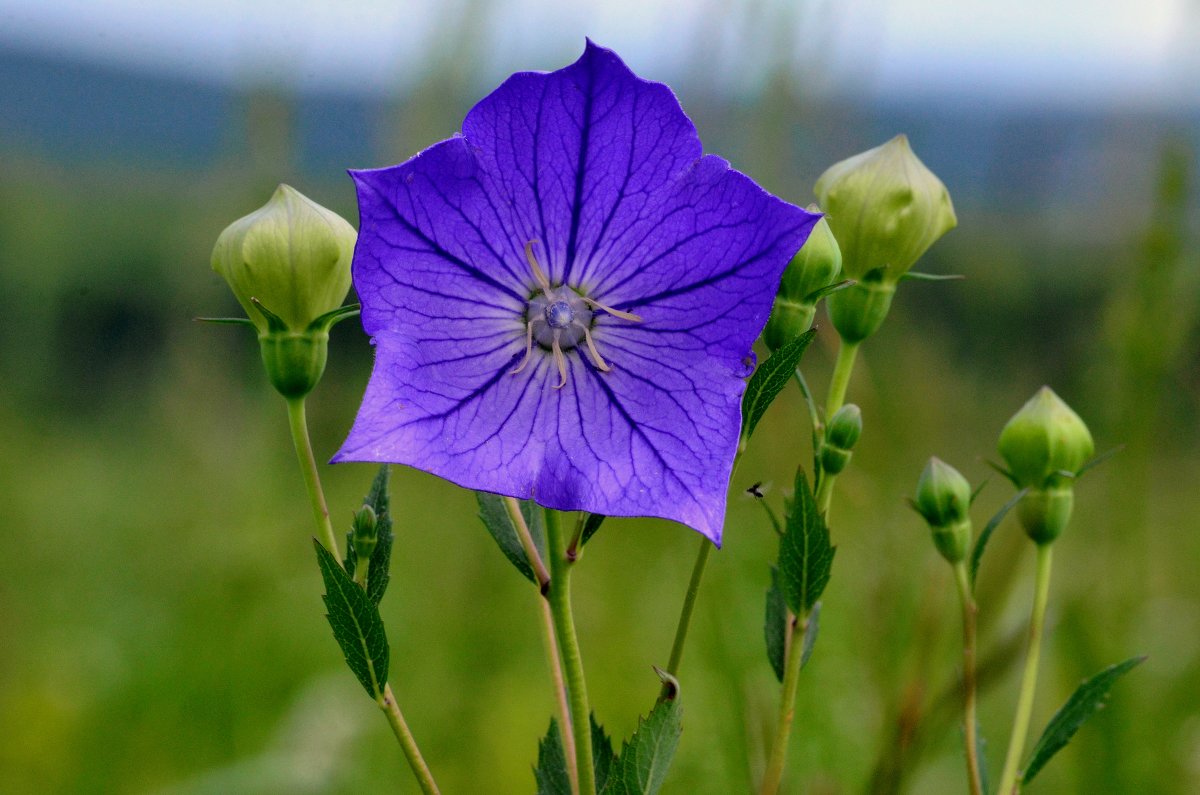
(559, 319)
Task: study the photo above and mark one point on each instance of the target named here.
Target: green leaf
(817, 295)
(810, 634)
(982, 542)
(356, 624)
(1083, 703)
(551, 771)
(916, 276)
(775, 628)
(642, 764)
(1098, 460)
(603, 756)
(590, 526)
(769, 380)
(378, 575)
(494, 513)
(805, 554)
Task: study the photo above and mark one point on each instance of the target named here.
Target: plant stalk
(568, 646)
(787, 706)
(387, 703)
(1010, 780)
(312, 480)
(970, 722)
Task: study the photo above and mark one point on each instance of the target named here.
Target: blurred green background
(161, 629)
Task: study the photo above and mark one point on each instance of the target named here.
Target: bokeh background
(160, 623)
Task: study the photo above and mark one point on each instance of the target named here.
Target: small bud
(858, 311)
(813, 268)
(292, 255)
(1045, 442)
(288, 263)
(943, 499)
(841, 434)
(886, 209)
(366, 533)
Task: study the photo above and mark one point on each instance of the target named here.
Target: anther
(597, 359)
(538, 274)
(614, 312)
(560, 360)
(528, 348)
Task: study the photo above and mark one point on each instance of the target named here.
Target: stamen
(614, 312)
(528, 348)
(560, 360)
(538, 274)
(597, 359)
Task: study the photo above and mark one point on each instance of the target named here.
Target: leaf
(603, 756)
(817, 295)
(775, 628)
(930, 277)
(810, 634)
(769, 380)
(982, 542)
(1098, 460)
(1087, 699)
(590, 526)
(356, 624)
(494, 513)
(642, 764)
(805, 554)
(378, 573)
(976, 491)
(551, 770)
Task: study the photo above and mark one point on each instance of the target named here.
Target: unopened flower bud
(858, 311)
(1045, 444)
(813, 268)
(366, 533)
(886, 209)
(288, 263)
(943, 499)
(841, 434)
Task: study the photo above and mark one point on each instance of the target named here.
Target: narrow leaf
(810, 634)
(495, 516)
(917, 276)
(805, 554)
(642, 764)
(590, 526)
(775, 628)
(1087, 699)
(769, 380)
(976, 491)
(817, 295)
(378, 573)
(229, 321)
(1098, 460)
(551, 771)
(356, 624)
(982, 542)
(603, 756)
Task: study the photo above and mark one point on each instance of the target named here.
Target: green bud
(886, 209)
(366, 533)
(943, 499)
(841, 434)
(1044, 513)
(288, 263)
(291, 255)
(1045, 443)
(858, 311)
(813, 268)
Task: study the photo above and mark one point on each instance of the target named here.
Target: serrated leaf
(769, 380)
(810, 634)
(805, 554)
(590, 526)
(603, 756)
(982, 542)
(495, 516)
(551, 771)
(1087, 699)
(356, 624)
(642, 764)
(775, 627)
(378, 572)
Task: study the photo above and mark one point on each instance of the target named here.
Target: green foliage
(1087, 699)
(590, 526)
(986, 535)
(379, 566)
(356, 624)
(551, 772)
(642, 764)
(810, 634)
(496, 518)
(769, 380)
(805, 554)
(775, 628)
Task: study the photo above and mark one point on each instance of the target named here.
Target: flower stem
(689, 605)
(847, 353)
(787, 706)
(316, 495)
(1010, 780)
(387, 703)
(312, 480)
(568, 645)
(970, 723)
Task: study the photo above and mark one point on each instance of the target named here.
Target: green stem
(689, 605)
(560, 694)
(787, 707)
(312, 480)
(387, 703)
(847, 353)
(1010, 780)
(568, 646)
(970, 722)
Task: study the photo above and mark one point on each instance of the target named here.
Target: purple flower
(564, 299)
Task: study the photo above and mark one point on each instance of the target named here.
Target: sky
(1085, 52)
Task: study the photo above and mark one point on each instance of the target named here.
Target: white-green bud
(813, 268)
(943, 499)
(841, 434)
(366, 534)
